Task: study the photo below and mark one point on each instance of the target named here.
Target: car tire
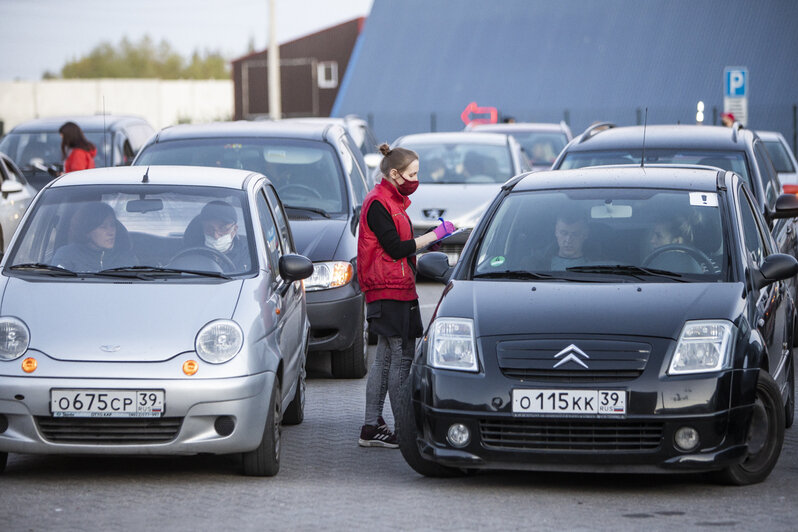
(3, 461)
(352, 363)
(407, 434)
(295, 411)
(264, 460)
(765, 434)
(789, 408)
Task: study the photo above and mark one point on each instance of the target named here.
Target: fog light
(29, 365)
(190, 367)
(458, 435)
(224, 425)
(686, 438)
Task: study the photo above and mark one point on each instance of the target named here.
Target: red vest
(380, 276)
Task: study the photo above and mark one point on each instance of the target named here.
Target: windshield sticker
(707, 199)
(497, 261)
(232, 146)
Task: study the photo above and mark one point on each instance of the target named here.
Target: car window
(92, 228)
(779, 156)
(556, 233)
(445, 163)
(541, 148)
(752, 234)
(270, 234)
(23, 147)
(356, 177)
(770, 180)
(14, 172)
(282, 223)
(305, 173)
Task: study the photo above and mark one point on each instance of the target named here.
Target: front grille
(571, 376)
(104, 431)
(541, 434)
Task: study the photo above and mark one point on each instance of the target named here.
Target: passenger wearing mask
(387, 274)
(97, 241)
(78, 153)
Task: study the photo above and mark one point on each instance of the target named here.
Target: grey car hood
(458, 202)
(118, 322)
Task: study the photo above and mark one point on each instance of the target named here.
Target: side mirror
(435, 265)
(295, 267)
(9, 187)
(786, 206)
(776, 267)
(372, 159)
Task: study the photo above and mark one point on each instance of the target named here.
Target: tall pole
(275, 98)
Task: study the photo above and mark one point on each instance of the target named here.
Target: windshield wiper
(44, 268)
(307, 209)
(514, 274)
(146, 272)
(626, 269)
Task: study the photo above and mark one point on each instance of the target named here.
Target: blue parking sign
(735, 82)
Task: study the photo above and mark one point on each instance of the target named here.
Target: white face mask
(221, 244)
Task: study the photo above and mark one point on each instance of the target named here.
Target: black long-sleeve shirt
(380, 222)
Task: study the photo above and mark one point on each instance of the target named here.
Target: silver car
(783, 159)
(153, 311)
(15, 196)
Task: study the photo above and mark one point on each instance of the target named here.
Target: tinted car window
(305, 173)
(270, 234)
(541, 148)
(22, 147)
(779, 156)
(462, 163)
(677, 231)
(754, 243)
(769, 178)
(282, 223)
(357, 179)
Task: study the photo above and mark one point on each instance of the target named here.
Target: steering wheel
(217, 256)
(303, 189)
(699, 256)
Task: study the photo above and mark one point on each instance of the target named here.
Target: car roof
(770, 135)
(245, 128)
(460, 137)
(86, 122)
(676, 177)
(518, 126)
(157, 175)
(663, 136)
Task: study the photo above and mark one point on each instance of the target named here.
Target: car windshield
(541, 148)
(727, 160)
(462, 162)
(779, 156)
(46, 146)
(606, 235)
(305, 173)
(172, 231)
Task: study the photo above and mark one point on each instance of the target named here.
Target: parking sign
(735, 82)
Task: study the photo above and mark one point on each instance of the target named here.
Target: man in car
(216, 227)
(571, 232)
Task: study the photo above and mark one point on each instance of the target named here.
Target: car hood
(317, 239)
(653, 310)
(118, 322)
(459, 202)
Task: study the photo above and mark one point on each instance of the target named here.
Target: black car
(638, 352)
(36, 145)
(317, 177)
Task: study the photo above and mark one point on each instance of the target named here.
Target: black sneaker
(373, 436)
(381, 423)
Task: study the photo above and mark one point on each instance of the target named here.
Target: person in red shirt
(77, 151)
(386, 271)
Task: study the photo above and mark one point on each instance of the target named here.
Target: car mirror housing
(435, 265)
(11, 186)
(295, 267)
(372, 159)
(786, 206)
(776, 267)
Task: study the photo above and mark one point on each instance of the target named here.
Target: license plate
(610, 402)
(107, 403)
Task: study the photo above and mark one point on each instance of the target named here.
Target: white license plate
(611, 402)
(107, 403)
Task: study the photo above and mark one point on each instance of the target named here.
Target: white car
(15, 196)
(783, 159)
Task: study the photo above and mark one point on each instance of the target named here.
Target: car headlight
(14, 338)
(329, 275)
(219, 341)
(452, 344)
(703, 347)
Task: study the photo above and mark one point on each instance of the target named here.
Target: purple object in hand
(446, 228)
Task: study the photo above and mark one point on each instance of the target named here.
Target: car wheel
(407, 434)
(264, 460)
(789, 408)
(3, 461)
(765, 436)
(295, 411)
(352, 363)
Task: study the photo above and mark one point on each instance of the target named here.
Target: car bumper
(188, 426)
(335, 317)
(641, 440)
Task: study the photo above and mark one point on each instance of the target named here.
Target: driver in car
(219, 223)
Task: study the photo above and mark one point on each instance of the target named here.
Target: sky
(43, 35)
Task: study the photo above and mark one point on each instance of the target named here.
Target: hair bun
(385, 149)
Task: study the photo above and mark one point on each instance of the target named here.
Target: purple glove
(445, 229)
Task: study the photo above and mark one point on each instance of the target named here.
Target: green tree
(145, 59)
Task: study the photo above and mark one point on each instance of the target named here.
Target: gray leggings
(391, 366)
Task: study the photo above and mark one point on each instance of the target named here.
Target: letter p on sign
(735, 81)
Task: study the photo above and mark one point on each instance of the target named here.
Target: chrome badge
(571, 354)
(110, 348)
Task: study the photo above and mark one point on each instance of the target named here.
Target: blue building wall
(418, 63)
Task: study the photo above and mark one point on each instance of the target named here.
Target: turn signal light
(790, 189)
(29, 365)
(190, 367)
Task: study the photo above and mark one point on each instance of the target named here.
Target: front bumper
(641, 440)
(336, 317)
(191, 410)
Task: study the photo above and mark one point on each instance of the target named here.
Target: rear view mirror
(144, 205)
(372, 159)
(295, 267)
(786, 206)
(9, 187)
(776, 267)
(435, 265)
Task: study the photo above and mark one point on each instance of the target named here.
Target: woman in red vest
(386, 270)
(76, 149)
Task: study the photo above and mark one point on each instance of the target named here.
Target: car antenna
(105, 136)
(146, 178)
(643, 156)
